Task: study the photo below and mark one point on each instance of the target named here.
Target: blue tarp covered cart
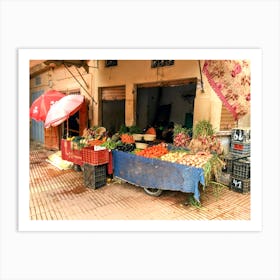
(157, 174)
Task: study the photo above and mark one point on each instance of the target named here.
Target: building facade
(133, 92)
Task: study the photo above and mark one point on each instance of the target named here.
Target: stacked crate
(95, 166)
(94, 175)
(240, 142)
(225, 176)
(236, 173)
(241, 175)
(241, 166)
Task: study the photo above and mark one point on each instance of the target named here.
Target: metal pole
(81, 76)
(67, 128)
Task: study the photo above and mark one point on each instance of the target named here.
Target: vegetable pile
(197, 160)
(173, 156)
(127, 138)
(78, 142)
(206, 144)
(204, 139)
(153, 151)
(194, 160)
(181, 136)
(95, 142)
(129, 147)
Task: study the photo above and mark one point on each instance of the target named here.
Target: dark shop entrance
(158, 105)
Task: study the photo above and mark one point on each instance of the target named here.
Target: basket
(89, 155)
(240, 185)
(241, 168)
(140, 145)
(94, 176)
(149, 137)
(137, 137)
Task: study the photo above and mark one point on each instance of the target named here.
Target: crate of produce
(241, 135)
(224, 178)
(241, 168)
(95, 157)
(240, 185)
(94, 175)
(238, 148)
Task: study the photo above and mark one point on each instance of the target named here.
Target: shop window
(109, 63)
(161, 63)
(38, 80)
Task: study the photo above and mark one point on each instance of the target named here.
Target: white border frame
(25, 55)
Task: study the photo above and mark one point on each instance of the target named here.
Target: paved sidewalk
(61, 195)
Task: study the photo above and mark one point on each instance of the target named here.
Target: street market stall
(188, 165)
(155, 166)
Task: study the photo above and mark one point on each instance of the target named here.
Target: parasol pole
(67, 127)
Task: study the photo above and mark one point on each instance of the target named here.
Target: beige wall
(60, 79)
(133, 72)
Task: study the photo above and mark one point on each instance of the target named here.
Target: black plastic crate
(228, 160)
(242, 168)
(223, 178)
(239, 149)
(241, 135)
(240, 185)
(95, 175)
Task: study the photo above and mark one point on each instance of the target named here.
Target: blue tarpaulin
(156, 173)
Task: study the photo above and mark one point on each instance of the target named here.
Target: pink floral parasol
(231, 80)
(63, 109)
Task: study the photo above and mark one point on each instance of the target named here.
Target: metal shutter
(113, 93)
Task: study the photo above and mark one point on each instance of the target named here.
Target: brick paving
(61, 195)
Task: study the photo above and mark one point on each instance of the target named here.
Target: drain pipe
(201, 80)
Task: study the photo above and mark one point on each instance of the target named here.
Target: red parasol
(63, 109)
(40, 107)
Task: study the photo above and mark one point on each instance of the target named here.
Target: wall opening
(160, 105)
